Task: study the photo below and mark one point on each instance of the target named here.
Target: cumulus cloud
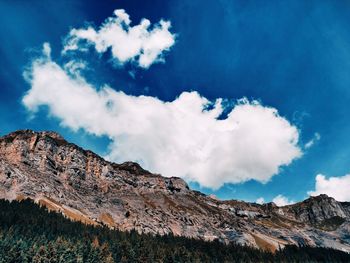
(281, 200)
(315, 139)
(183, 137)
(260, 200)
(142, 44)
(336, 187)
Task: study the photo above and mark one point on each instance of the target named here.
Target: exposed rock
(83, 186)
(316, 210)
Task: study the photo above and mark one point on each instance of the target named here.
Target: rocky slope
(85, 187)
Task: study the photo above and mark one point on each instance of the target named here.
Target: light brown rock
(85, 187)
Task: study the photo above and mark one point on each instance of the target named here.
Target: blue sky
(292, 56)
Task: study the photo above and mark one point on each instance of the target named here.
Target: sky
(242, 99)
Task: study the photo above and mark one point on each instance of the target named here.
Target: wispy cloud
(315, 139)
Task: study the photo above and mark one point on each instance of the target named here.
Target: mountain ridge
(83, 186)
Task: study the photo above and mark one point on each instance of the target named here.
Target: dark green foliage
(29, 233)
(332, 223)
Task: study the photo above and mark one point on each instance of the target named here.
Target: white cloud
(336, 187)
(47, 50)
(177, 138)
(281, 200)
(260, 200)
(140, 43)
(310, 143)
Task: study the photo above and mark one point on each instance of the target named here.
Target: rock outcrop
(83, 186)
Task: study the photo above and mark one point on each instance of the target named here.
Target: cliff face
(317, 210)
(85, 187)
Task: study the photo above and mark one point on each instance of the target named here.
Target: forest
(30, 233)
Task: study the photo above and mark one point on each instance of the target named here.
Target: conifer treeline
(29, 233)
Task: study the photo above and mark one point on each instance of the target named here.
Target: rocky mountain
(44, 167)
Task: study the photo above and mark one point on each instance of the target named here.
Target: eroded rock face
(316, 210)
(83, 186)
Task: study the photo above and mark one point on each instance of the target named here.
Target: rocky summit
(57, 174)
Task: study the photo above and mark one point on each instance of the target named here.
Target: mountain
(84, 187)
(29, 233)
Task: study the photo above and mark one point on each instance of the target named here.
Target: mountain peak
(26, 134)
(321, 197)
(317, 210)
